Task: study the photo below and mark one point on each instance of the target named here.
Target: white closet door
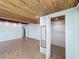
(45, 21)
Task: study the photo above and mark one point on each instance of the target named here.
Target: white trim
(43, 50)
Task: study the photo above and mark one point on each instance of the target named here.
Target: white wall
(58, 33)
(71, 32)
(33, 31)
(9, 32)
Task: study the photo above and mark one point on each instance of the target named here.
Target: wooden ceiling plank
(12, 8)
(31, 8)
(7, 14)
(18, 2)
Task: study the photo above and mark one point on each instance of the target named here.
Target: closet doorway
(58, 37)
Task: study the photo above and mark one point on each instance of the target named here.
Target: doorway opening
(58, 37)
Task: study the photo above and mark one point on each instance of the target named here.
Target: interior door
(45, 42)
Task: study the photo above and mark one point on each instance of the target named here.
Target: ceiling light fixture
(37, 16)
(56, 19)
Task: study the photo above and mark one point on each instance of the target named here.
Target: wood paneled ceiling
(27, 10)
